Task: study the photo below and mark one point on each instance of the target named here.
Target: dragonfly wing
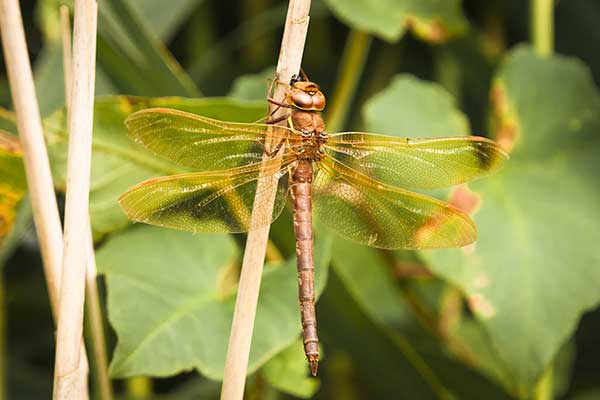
(368, 212)
(201, 143)
(416, 163)
(208, 202)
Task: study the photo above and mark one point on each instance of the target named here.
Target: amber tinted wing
(202, 143)
(416, 163)
(369, 212)
(208, 201)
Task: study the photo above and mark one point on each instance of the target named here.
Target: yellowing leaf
(12, 182)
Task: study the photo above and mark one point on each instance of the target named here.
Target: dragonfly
(357, 184)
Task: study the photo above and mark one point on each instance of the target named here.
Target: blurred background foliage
(513, 317)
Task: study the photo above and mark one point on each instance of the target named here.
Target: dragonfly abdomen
(301, 197)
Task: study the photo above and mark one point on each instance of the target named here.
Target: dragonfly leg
(274, 120)
(277, 103)
(275, 150)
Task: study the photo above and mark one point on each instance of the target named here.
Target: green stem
(542, 26)
(96, 329)
(139, 388)
(545, 388)
(351, 68)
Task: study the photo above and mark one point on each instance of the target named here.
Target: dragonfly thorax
(310, 126)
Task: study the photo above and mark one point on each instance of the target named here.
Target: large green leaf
(366, 275)
(534, 268)
(412, 108)
(432, 20)
(117, 162)
(171, 297)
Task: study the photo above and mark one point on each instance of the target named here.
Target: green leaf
(131, 58)
(424, 366)
(130, 52)
(164, 18)
(117, 162)
(412, 108)
(287, 372)
(171, 297)
(253, 86)
(432, 20)
(12, 182)
(534, 269)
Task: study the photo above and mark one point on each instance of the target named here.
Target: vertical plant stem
(542, 26)
(350, 71)
(238, 351)
(545, 388)
(94, 310)
(139, 387)
(96, 324)
(37, 165)
(76, 236)
(542, 33)
(35, 157)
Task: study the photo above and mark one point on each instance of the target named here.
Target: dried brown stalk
(37, 165)
(238, 352)
(76, 236)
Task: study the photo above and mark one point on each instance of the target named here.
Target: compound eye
(318, 101)
(323, 134)
(302, 100)
(306, 134)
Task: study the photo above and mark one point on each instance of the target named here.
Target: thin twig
(238, 352)
(37, 165)
(76, 237)
(94, 310)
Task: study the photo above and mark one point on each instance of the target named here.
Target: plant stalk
(542, 26)
(238, 351)
(37, 164)
(545, 387)
(350, 70)
(139, 387)
(76, 237)
(93, 308)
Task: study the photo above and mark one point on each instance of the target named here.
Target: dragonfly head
(305, 95)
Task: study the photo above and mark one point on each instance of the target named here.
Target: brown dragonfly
(355, 182)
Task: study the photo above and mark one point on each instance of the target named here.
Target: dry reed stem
(76, 236)
(35, 157)
(238, 352)
(94, 310)
(37, 165)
